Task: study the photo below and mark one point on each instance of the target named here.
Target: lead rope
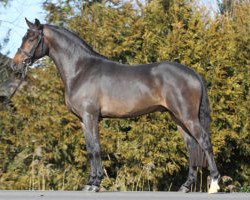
(19, 84)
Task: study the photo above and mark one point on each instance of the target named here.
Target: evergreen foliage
(42, 145)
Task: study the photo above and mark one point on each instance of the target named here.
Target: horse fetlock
(91, 180)
(215, 175)
(100, 174)
(97, 181)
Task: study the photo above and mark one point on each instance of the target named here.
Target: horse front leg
(91, 134)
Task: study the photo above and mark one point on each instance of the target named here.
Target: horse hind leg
(192, 174)
(192, 177)
(202, 137)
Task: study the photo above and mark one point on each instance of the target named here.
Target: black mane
(79, 42)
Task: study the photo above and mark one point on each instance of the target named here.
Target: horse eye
(30, 39)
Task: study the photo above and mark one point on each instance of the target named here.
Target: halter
(29, 59)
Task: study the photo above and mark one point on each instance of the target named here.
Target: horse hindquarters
(187, 101)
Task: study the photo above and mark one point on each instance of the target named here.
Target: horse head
(31, 49)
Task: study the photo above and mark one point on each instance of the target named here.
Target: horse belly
(130, 106)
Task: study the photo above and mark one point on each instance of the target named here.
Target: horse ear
(38, 24)
(30, 24)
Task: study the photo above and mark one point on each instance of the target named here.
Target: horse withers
(96, 87)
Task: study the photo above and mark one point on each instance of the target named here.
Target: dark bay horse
(96, 87)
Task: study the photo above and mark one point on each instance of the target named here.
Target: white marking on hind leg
(214, 186)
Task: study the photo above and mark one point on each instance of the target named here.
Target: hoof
(87, 188)
(214, 187)
(91, 188)
(184, 189)
(95, 188)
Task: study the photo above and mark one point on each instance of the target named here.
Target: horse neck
(61, 51)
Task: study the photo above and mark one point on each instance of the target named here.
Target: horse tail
(197, 155)
(204, 114)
